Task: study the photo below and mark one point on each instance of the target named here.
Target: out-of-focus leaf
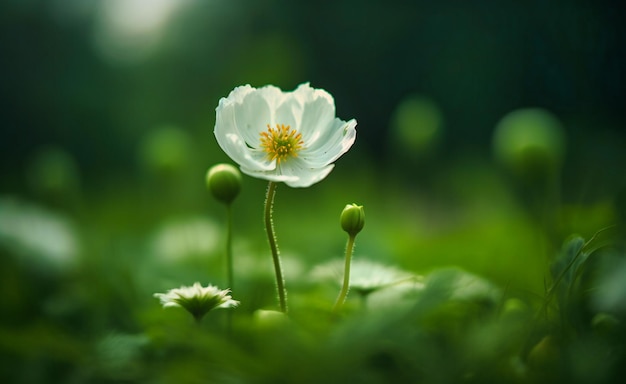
(117, 355)
(568, 260)
(457, 284)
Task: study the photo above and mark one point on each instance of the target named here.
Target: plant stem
(229, 247)
(346, 275)
(229, 261)
(269, 227)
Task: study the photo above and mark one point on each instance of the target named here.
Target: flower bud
(224, 182)
(530, 141)
(353, 219)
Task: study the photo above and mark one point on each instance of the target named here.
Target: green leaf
(568, 260)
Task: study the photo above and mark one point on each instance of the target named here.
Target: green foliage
(94, 319)
(572, 274)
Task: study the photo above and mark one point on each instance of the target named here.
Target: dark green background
(476, 59)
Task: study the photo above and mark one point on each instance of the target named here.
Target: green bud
(353, 219)
(224, 182)
(529, 141)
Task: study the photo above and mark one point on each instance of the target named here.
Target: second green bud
(224, 182)
(353, 219)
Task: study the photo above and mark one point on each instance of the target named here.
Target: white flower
(291, 137)
(197, 299)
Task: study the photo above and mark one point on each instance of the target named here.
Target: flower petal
(272, 95)
(245, 156)
(305, 94)
(250, 116)
(317, 117)
(288, 113)
(332, 145)
(236, 95)
(267, 175)
(309, 176)
(231, 141)
(295, 173)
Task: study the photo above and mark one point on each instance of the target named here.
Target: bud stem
(269, 228)
(229, 247)
(346, 275)
(229, 260)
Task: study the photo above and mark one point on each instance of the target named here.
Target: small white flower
(197, 300)
(291, 137)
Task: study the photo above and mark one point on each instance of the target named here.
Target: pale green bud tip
(224, 182)
(353, 219)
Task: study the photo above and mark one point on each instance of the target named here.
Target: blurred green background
(107, 132)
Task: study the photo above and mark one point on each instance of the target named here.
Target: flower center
(281, 142)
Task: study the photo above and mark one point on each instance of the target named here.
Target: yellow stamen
(281, 142)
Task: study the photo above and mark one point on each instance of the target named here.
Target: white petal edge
(334, 147)
(301, 177)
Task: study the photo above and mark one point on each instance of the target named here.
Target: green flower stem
(346, 275)
(229, 261)
(269, 227)
(229, 247)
